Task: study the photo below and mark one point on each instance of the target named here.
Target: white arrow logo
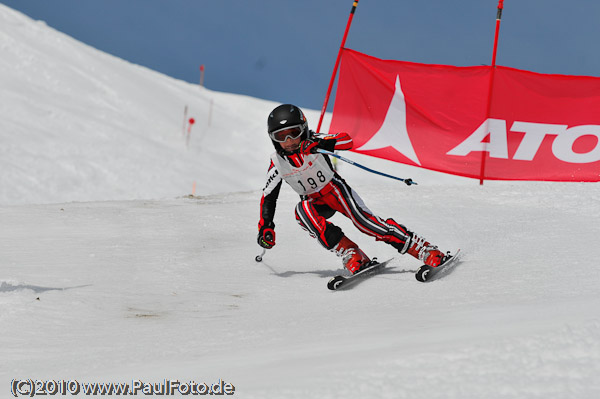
(393, 132)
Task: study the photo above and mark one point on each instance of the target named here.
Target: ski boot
(425, 252)
(429, 254)
(353, 258)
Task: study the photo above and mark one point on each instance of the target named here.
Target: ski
(341, 282)
(427, 273)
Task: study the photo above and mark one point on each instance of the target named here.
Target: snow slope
(80, 125)
(109, 272)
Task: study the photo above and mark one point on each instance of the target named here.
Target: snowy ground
(170, 289)
(110, 273)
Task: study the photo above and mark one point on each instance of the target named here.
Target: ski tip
(336, 283)
(342, 282)
(423, 273)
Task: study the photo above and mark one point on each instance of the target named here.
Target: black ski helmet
(286, 115)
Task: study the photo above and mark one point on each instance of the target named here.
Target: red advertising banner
(481, 122)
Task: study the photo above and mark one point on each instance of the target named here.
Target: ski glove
(308, 147)
(266, 238)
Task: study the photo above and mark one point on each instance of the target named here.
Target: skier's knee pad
(333, 235)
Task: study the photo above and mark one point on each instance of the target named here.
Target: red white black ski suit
(323, 193)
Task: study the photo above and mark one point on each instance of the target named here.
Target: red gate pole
(337, 63)
(202, 75)
(498, 18)
(491, 87)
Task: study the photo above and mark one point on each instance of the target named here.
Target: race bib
(311, 177)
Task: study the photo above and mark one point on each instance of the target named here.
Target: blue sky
(285, 50)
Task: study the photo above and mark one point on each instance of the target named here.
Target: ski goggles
(290, 132)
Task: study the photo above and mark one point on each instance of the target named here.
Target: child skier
(323, 193)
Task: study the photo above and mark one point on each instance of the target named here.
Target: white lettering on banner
(497, 147)
(562, 146)
(534, 135)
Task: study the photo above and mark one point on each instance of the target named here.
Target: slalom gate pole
(351, 162)
(491, 86)
(337, 63)
(185, 111)
(498, 19)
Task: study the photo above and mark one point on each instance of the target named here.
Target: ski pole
(259, 257)
(351, 162)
